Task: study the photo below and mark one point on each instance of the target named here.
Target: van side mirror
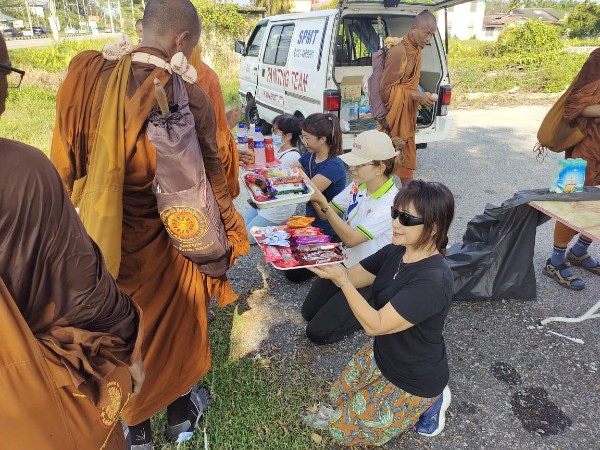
(240, 48)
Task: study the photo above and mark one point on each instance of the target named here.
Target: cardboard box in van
(351, 87)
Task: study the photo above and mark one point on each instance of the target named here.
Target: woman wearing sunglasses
(399, 381)
(359, 215)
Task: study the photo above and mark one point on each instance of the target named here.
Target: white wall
(464, 21)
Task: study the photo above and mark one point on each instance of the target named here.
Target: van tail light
(445, 97)
(331, 100)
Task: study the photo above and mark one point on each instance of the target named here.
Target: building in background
(465, 21)
(493, 24)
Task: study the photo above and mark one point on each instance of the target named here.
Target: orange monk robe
(585, 92)
(171, 291)
(67, 332)
(209, 80)
(400, 79)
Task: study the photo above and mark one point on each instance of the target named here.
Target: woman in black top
(387, 386)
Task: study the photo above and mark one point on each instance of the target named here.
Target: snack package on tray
(299, 221)
(286, 247)
(272, 236)
(318, 257)
(285, 188)
(283, 175)
(258, 186)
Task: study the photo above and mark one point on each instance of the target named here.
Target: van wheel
(251, 116)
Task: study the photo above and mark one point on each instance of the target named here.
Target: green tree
(530, 38)
(584, 21)
(276, 6)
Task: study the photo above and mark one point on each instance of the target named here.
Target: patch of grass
(475, 68)
(29, 116)
(258, 400)
(56, 57)
(230, 93)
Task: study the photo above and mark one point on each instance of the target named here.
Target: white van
(305, 63)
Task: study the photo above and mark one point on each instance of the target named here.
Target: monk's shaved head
(424, 18)
(171, 17)
(423, 29)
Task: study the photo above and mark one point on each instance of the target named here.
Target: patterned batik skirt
(369, 410)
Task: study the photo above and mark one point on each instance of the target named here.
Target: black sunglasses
(406, 219)
(14, 76)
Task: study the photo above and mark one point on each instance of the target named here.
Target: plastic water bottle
(260, 158)
(241, 135)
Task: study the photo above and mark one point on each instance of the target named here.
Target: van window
(278, 45)
(255, 40)
(357, 40)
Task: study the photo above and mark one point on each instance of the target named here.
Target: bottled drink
(269, 150)
(250, 139)
(241, 135)
(259, 149)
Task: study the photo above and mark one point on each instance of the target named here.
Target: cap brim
(352, 159)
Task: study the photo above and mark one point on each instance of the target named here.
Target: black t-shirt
(415, 359)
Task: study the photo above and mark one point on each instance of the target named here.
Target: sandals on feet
(578, 261)
(554, 273)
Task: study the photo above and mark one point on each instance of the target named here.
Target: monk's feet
(198, 404)
(586, 261)
(563, 275)
(139, 436)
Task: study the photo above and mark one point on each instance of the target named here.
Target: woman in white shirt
(286, 132)
(360, 217)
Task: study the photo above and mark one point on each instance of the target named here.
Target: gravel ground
(514, 384)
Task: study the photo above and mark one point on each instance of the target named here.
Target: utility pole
(29, 16)
(112, 25)
(121, 22)
(53, 19)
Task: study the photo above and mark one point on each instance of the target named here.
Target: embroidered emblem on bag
(187, 226)
(110, 412)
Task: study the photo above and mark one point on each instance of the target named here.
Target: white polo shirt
(370, 214)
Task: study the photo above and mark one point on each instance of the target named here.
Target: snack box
(262, 200)
(329, 253)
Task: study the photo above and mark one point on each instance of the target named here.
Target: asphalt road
(44, 42)
(514, 384)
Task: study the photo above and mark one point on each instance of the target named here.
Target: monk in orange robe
(400, 88)
(582, 104)
(209, 80)
(171, 291)
(68, 333)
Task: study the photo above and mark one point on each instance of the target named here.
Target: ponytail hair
(327, 126)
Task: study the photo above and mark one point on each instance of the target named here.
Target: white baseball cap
(369, 146)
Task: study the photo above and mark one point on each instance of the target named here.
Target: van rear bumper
(436, 132)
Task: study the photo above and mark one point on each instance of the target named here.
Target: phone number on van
(285, 77)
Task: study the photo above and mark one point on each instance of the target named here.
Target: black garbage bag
(495, 259)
